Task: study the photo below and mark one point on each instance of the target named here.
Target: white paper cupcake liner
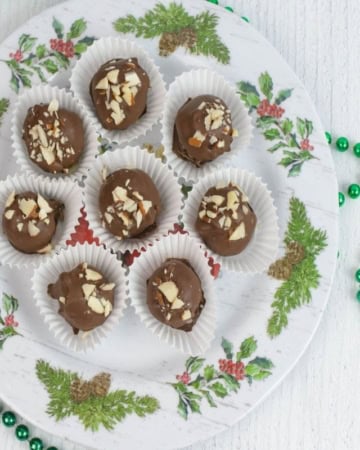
(104, 50)
(67, 260)
(44, 94)
(189, 85)
(199, 338)
(263, 247)
(68, 192)
(164, 180)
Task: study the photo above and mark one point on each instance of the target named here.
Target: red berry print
(236, 369)
(17, 56)
(184, 378)
(10, 321)
(305, 145)
(66, 48)
(82, 232)
(266, 109)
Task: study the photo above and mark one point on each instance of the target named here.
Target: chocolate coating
(183, 311)
(226, 222)
(129, 203)
(119, 93)
(84, 302)
(54, 137)
(29, 221)
(203, 130)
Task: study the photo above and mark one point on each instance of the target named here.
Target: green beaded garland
(51, 448)
(36, 444)
(357, 275)
(328, 137)
(341, 198)
(229, 8)
(245, 18)
(9, 419)
(342, 144)
(213, 1)
(358, 296)
(357, 149)
(354, 191)
(22, 432)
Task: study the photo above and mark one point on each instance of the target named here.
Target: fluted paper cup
(65, 191)
(106, 49)
(263, 247)
(44, 94)
(192, 84)
(164, 180)
(199, 338)
(49, 272)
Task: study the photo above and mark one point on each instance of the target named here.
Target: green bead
(328, 137)
(354, 191)
(36, 444)
(342, 144)
(245, 18)
(229, 8)
(358, 296)
(357, 149)
(213, 1)
(9, 419)
(341, 198)
(357, 275)
(51, 448)
(22, 432)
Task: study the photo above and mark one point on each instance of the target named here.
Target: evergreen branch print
(94, 411)
(303, 277)
(177, 28)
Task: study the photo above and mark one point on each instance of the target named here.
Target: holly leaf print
(266, 85)
(283, 95)
(182, 408)
(295, 169)
(272, 134)
(10, 304)
(209, 373)
(194, 363)
(26, 42)
(277, 146)
(231, 382)
(264, 363)
(40, 51)
(287, 126)
(227, 347)
(301, 127)
(58, 28)
(49, 65)
(265, 121)
(219, 390)
(308, 127)
(247, 348)
(76, 29)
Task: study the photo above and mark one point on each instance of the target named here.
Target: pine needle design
(177, 28)
(296, 290)
(4, 105)
(94, 409)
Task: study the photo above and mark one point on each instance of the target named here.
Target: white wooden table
(317, 407)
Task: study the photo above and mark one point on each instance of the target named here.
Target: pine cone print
(280, 269)
(80, 390)
(295, 252)
(100, 384)
(168, 43)
(187, 37)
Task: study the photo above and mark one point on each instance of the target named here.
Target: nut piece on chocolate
(54, 137)
(29, 221)
(119, 93)
(203, 130)
(226, 221)
(85, 296)
(174, 294)
(129, 203)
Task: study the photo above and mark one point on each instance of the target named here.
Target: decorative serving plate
(158, 396)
